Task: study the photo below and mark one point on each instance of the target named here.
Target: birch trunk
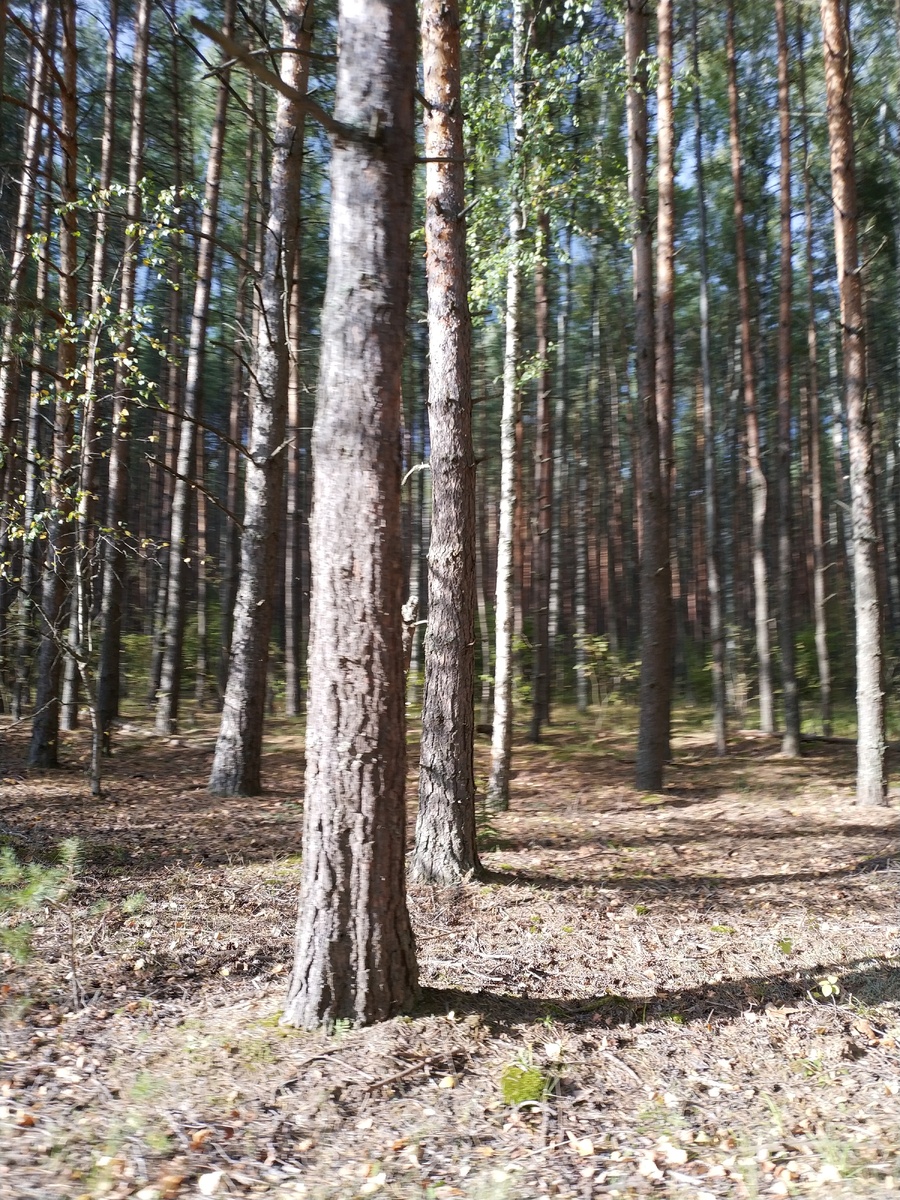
(543, 493)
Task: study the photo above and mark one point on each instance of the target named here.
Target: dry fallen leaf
(582, 1146)
(208, 1184)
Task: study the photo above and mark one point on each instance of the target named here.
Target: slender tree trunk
(445, 849)
(665, 302)
(504, 608)
(237, 760)
(293, 580)
(176, 597)
(790, 744)
(656, 575)
(871, 777)
(710, 501)
(79, 613)
(757, 478)
(564, 319)
(543, 492)
(43, 749)
(815, 423)
(354, 953)
(481, 586)
(114, 559)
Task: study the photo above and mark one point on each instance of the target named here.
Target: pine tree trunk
(176, 595)
(354, 952)
(504, 609)
(871, 777)
(237, 760)
(790, 744)
(815, 423)
(710, 502)
(43, 749)
(758, 488)
(445, 848)
(655, 568)
(543, 492)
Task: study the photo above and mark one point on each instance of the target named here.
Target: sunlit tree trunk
(445, 848)
(176, 596)
(758, 488)
(871, 777)
(655, 569)
(237, 760)
(504, 610)
(354, 955)
(543, 492)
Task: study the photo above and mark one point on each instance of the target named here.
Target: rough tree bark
(445, 849)
(238, 754)
(504, 606)
(176, 599)
(748, 370)
(790, 743)
(354, 954)
(655, 566)
(871, 777)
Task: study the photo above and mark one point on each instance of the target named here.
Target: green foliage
(611, 675)
(523, 1084)
(25, 888)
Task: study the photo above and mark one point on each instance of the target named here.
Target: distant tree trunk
(237, 759)
(176, 597)
(354, 953)
(665, 301)
(294, 508)
(815, 423)
(201, 670)
(543, 492)
(481, 586)
(43, 749)
(710, 503)
(115, 560)
(871, 777)
(790, 744)
(656, 574)
(564, 317)
(445, 849)
(748, 370)
(504, 610)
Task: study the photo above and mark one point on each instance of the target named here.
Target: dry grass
(653, 962)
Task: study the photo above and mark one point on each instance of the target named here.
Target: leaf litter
(695, 994)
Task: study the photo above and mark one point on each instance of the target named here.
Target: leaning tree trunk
(176, 592)
(445, 850)
(504, 607)
(710, 500)
(354, 952)
(748, 370)
(43, 749)
(655, 566)
(790, 744)
(238, 754)
(871, 777)
(114, 557)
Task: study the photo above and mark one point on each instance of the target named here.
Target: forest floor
(695, 994)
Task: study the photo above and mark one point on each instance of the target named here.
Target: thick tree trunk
(790, 744)
(176, 594)
(115, 560)
(237, 759)
(710, 504)
(871, 777)
(43, 749)
(748, 369)
(543, 492)
(504, 608)
(445, 849)
(656, 574)
(354, 953)
(815, 423)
